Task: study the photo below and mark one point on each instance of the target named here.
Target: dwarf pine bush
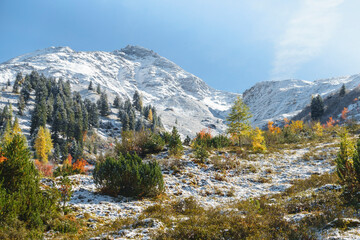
(22, 201)
(128, 176)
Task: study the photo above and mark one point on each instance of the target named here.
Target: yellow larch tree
(258, 141)
(43, 144)
(150, 115)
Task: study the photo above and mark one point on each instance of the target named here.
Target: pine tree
(57, 152)
(342, 91)
(104, 105)
(16, 130)
(139, 126)
(117, 102)
(137, 101)
(17, 83)
(132, 120)
(125, 123)
(21, 105)
(238, 120)
(175, 145)
(187, 141)
(25, 90)
(98, 89)
(317, 108)
(91, 88)
(7, 134)
(43, 144)
(39, 117)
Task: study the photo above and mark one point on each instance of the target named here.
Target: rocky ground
(222, 179)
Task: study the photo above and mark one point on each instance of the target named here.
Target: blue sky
(230, 44)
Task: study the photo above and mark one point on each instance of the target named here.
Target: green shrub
(348, 169)
(21, 199)
(201, 153)
(220, 141)
(166, 136)
(175, 145)
(187, 141)
(129, 176)
(142, 143)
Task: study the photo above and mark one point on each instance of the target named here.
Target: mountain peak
(138, 51)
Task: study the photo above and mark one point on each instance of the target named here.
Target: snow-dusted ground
(202, 182)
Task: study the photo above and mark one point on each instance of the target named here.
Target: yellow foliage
(43, 144)
(318, 129)
(10, 132)
(258, 141)
(150, 115)
(16, 128)
(296, 126)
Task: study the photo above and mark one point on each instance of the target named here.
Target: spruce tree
(137, 101)
(342, 91)
(125, 123)
(17, 83)
(104, 105)
(317, 108)
(21, 105)
(117, 102)
(175, 145)
(39, 116)
(91, 88)
(98, 89)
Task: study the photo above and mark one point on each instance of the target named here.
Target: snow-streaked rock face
(274, 100)
(178, 95)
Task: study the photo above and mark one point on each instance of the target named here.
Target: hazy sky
(230, 44)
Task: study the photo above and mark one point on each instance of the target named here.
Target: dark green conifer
(342, 91)
(317, 108)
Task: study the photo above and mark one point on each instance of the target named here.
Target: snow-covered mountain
(275, 100)
(182, 99)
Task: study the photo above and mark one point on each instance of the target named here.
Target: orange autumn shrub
(68, 161)
(273, 129)
(79, 166)
(344, 113)
(330, 123)
(2, 159)
(45, 169)
(286, 121)
(203, 138)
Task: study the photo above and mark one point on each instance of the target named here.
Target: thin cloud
(306, 34)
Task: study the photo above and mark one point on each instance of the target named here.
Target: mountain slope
(177, 94)
(275, 100)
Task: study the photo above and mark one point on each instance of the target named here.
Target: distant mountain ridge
(182, 99)
(276, 100)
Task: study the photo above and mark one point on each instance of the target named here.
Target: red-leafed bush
(45, 169)
(79, 166)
